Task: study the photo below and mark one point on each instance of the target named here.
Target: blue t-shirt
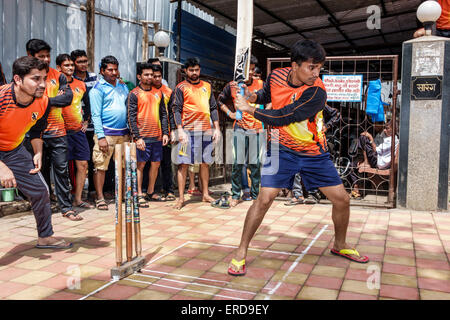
(109, 110)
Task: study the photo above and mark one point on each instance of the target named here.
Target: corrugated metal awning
(340, 26)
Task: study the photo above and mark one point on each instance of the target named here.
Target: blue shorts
(198, 150)
(316, 171)
(152, 152)
(78, 147)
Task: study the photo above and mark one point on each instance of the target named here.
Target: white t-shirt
(384, 151)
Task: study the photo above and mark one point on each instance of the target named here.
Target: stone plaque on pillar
(424, 120)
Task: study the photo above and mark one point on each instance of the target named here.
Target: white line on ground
(296, 262)
(99, 289)
(168, 287)
(196, 284)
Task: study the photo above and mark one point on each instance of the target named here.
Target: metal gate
(376, 187)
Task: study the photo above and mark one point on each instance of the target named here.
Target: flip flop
(70, 213)
(160, 198)
(85, 205)
(346, 253)
(221, 203)
(54, 246)
(238, 264)
(293, 202)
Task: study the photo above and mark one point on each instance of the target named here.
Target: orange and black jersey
(194, 106)
(16, 119)
(168, 101)
(297, 114)
(61, 95)
(147, 115)
(77, 112)
(248, 122)
(443, 22)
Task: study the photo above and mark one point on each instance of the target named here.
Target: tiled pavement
(187, 253)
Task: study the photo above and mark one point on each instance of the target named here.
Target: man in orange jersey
(147, 119)
(76, 120)
(164, 182)
(298, 144)
(24, 109)
(194, 106)
(442, 24)
(55, 140)
(248, 140)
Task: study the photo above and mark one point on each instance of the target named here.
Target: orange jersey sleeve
(55, 127)
(17, 120)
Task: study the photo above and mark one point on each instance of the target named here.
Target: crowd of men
(70, 114)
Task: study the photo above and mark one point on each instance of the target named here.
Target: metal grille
(377, 187)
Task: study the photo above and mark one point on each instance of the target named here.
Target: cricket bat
(243, 45)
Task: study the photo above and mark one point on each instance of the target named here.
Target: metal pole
(179, 31)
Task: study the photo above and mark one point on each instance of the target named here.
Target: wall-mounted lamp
(161, 40)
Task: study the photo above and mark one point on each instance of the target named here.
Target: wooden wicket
(128, 150)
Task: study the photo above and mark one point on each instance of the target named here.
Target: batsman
(298, 145)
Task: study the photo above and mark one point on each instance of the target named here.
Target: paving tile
(323, 282)
(430, 255)
(433, 264)
(399, 280)
(117, 292)
(10, 288)
(399, 292)
(357, 274)
(33, 293)
(33, 277)
(434, 295)
(408, 261)
(434, 284)
(10, 273)
(443, 275)
(329, 271)
(87, 286)
(343, 295)
(399, 269)
(267, 263)
(358, 287)
(312, 293)
(62, 295)
(282, 289)
(199, 264)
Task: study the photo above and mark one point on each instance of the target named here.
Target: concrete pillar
(424, 124)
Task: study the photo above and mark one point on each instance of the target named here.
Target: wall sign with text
(343, 87)
(426, 88)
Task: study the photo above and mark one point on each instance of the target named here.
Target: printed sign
(426, 88)
(343, 87)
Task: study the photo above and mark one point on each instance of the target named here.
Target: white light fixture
(161, 40)
(428, 12)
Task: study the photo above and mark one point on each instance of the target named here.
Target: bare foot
(207, 198)
(179, 204)
(234, 202)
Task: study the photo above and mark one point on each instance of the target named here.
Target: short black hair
(303, 50)
(152, 60)
(143, 66)
(253, 60)
(257, 70)
(156, 68)
(191, 62)
(23, 66)
(61, 58)
(108, 60)
(75, 54)
(33, 46)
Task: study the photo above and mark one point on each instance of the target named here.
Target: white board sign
(343, 87)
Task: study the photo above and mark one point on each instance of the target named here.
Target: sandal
(57, 245)
(246, 196)
(170, 197)
(149, 197)
(142, 202)
(101, 204)
(238, 264)
(346, 253)
(294, 201)
(84, 205)
(72, 213)
(222, 202)
(195, 192)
